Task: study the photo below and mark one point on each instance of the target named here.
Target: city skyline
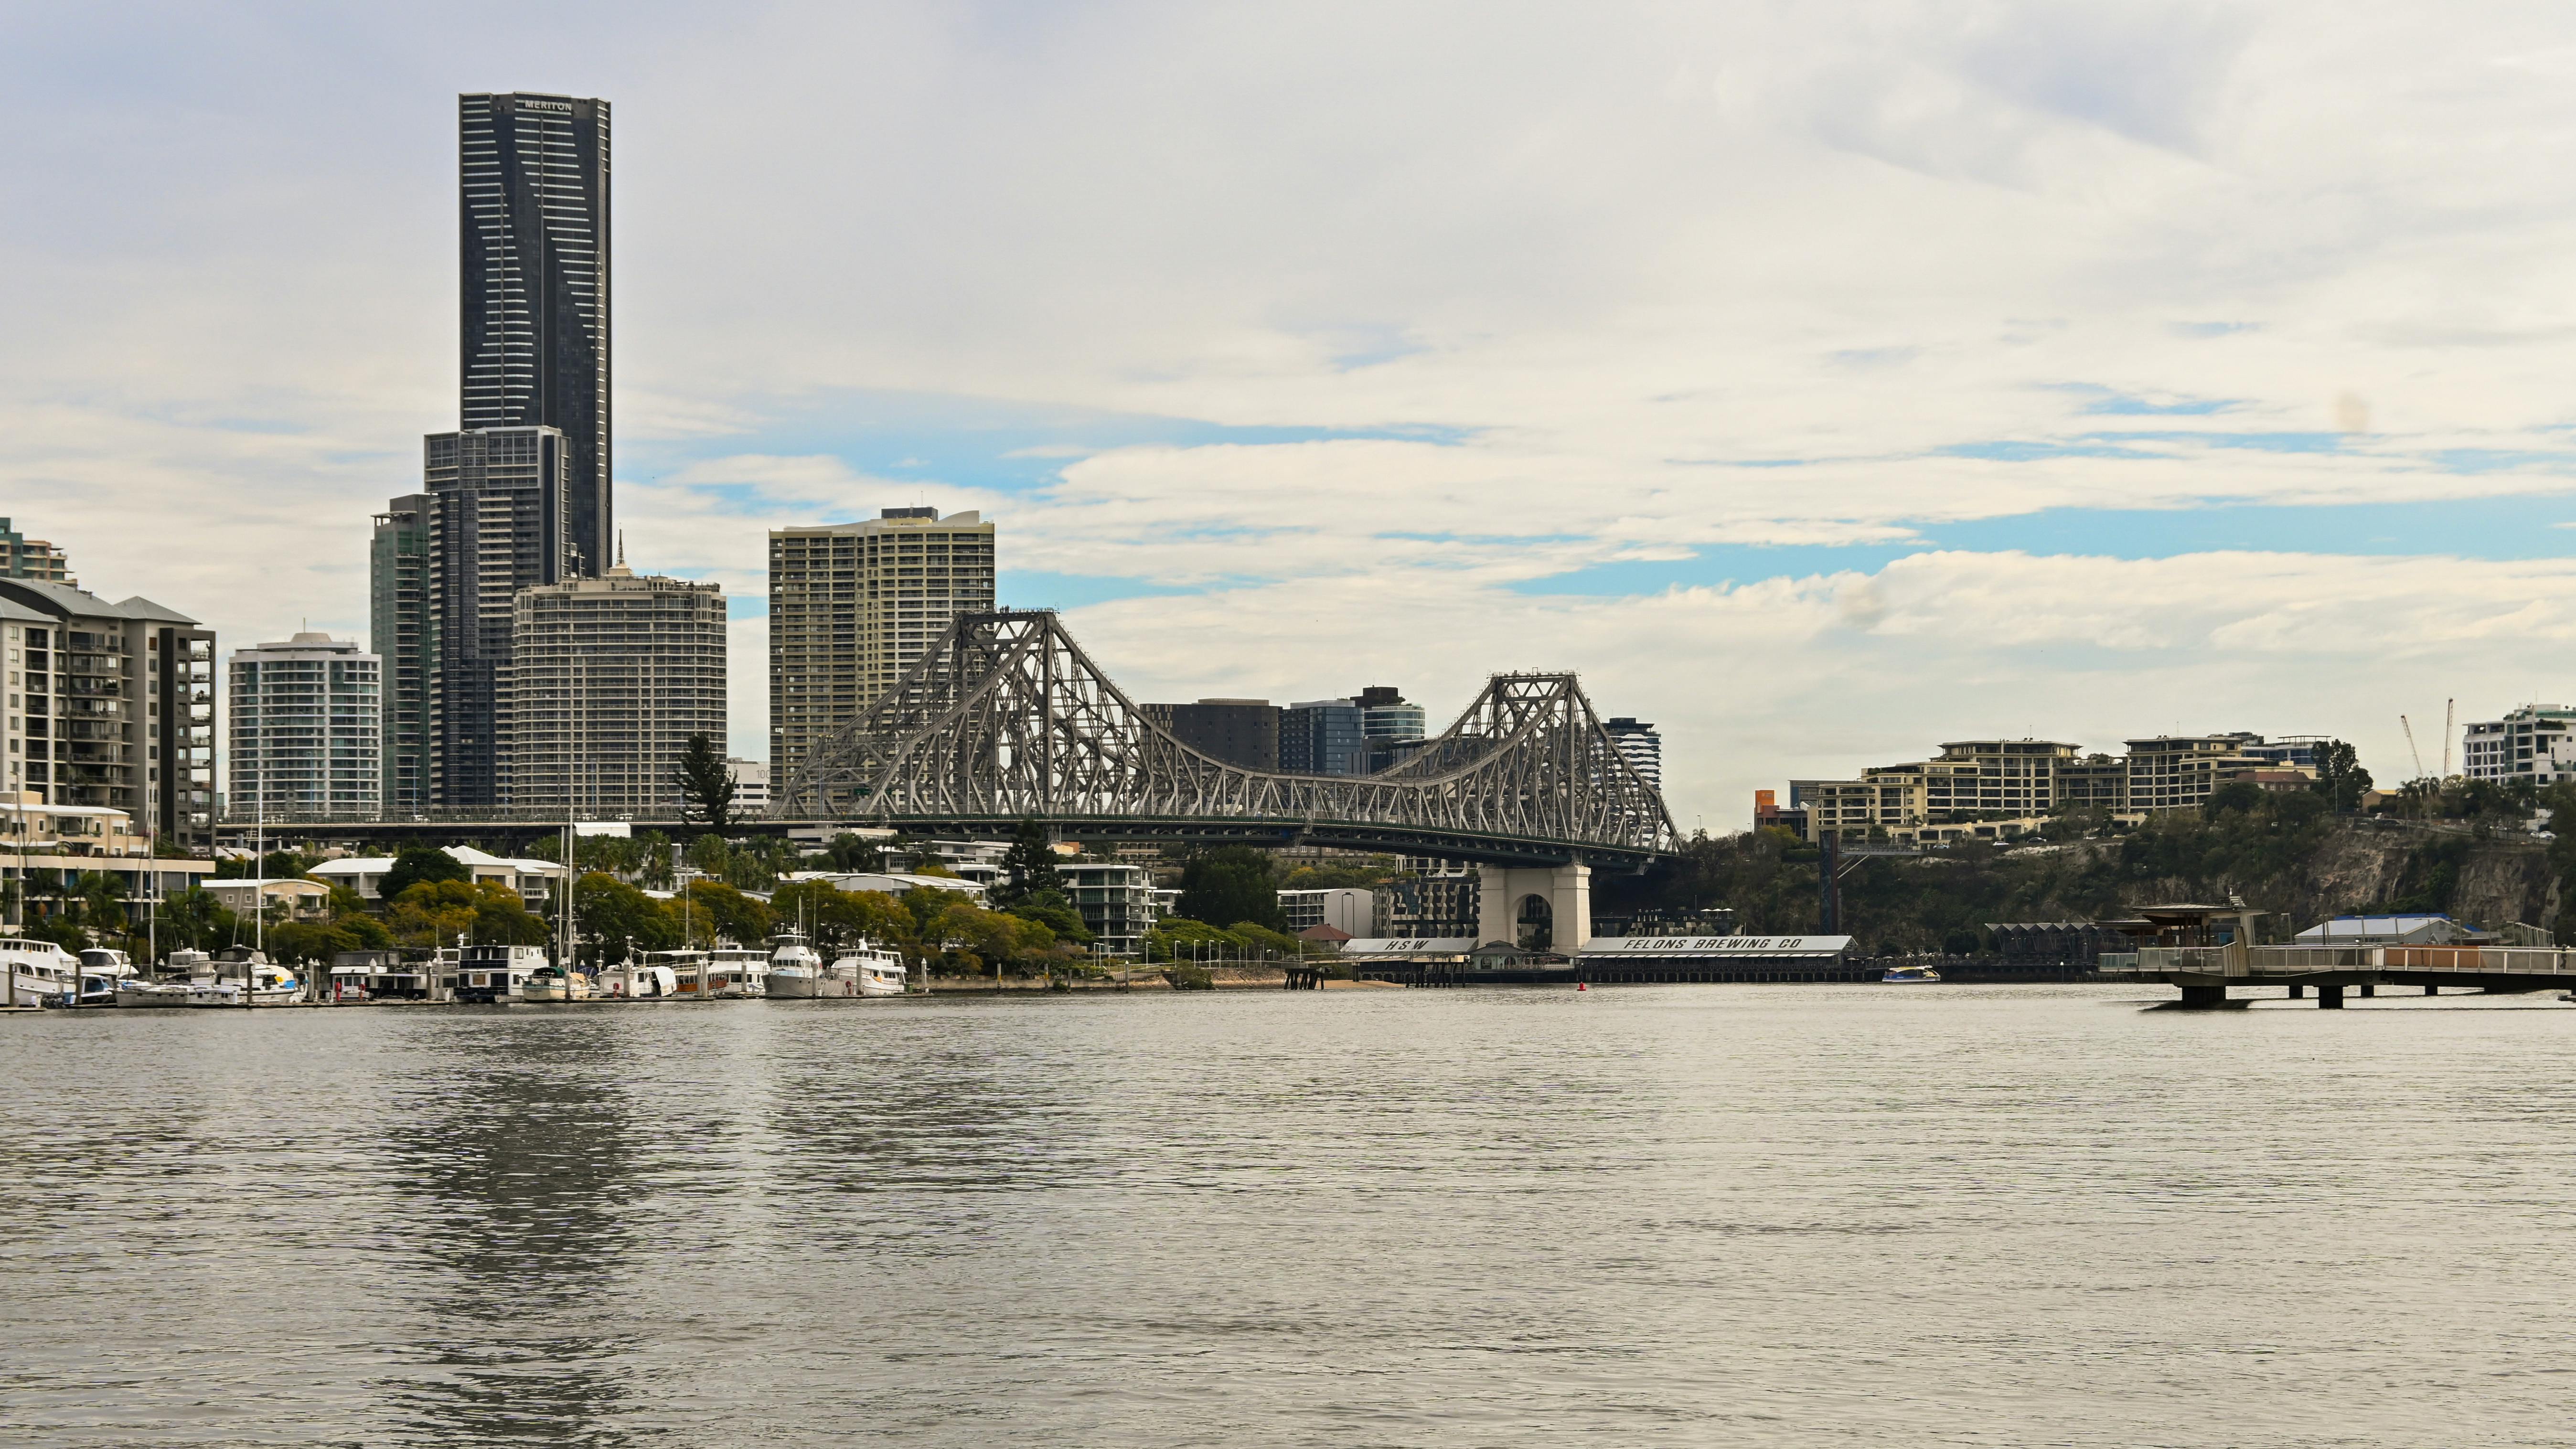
(2137, 379)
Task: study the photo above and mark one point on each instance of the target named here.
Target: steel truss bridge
(1007, 719)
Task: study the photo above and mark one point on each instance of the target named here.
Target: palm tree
(102, 896)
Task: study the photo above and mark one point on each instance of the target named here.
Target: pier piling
(2329, 998)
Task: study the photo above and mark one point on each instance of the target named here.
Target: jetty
(2206, 974)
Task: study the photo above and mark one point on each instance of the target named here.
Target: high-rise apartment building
(22, 557)
(113, 704)
(608, 678)
(533, 171)
(495, 527)
(1241, 732)
(1640, 746)
(306, 720)
(403, 634)
(854, 605)
(2535, 742)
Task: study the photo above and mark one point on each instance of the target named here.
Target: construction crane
(2450, 724)
(2417, 754)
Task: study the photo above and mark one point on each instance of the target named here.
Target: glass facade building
(533, 171)
(404, 635)
(495, 526)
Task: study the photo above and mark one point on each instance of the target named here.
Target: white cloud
(1816, 677)
(1586, 263)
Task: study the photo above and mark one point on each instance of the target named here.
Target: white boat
(871, 970)
(184, 975)
(101, 971)
(644, 980)
(736, 971)
(553, 983)
(794, 968)
(1903, 975)
(205, 991)
(491, 974)
(269, 983)
(38, 971)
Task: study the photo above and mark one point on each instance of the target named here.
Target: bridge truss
(1008, 719)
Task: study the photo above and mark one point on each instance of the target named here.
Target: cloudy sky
(1822, 382)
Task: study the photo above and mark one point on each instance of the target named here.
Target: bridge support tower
(1567, 890)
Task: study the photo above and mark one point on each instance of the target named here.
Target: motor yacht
(547, 984)
(38, 971)
(269, 984)
(101, 970)
(794, 967)
(497, 974)
(737, 971)
(870, 970)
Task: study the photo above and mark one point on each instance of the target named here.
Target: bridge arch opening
(1537, 922)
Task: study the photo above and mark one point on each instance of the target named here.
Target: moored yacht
(39, 971)
(101, 971)
(870, 970)
(496, 974)
(1904, 975)
(734, 971)
(795, 968)
(242, 967)
(547, 983)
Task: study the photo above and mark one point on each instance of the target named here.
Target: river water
(1791, 1215)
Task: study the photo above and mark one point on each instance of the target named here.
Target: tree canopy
(419, 863)
(1231, 883)
(1028, 867)
(706, 786)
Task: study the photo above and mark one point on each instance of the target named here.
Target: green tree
(615, 915)
(2340, 777)
(850, 853)
(719, 909)
(653, 853)
(1055, 911)
(841, 919)
(710, 856)
(419, 863)
(1028, 867)
(706, 786)
(1231, 883)
(1262, 938)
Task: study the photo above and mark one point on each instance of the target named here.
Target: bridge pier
(2296, 990)
(2329, 998)
(2429, 989)
(2369, 988)
(2204, 996)
(1567, 889)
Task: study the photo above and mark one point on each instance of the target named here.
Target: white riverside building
(2536, 742)
(306, 726)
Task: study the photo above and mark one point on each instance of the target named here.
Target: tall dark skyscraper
(494, 527)
(534, 174)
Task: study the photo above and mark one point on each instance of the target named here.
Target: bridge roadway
(509, 831)
(2207, 973)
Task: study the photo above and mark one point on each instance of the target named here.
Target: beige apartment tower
(853, 605)
(608, 678)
